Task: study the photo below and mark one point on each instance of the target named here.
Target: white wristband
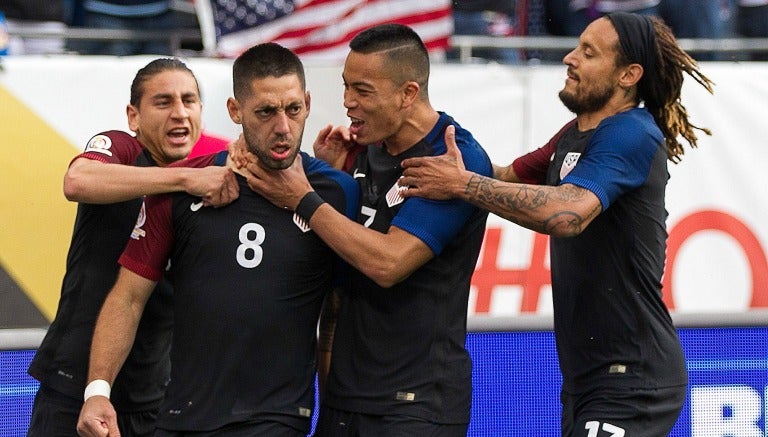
(97, 387)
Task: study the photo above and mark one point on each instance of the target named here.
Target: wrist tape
(308, 205)
(97, 387)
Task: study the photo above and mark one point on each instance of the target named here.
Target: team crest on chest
(137, 231)
(99, 144)
(300, 223)
(569, 163)
(395, 195)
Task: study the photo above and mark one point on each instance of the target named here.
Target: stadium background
(717, 275)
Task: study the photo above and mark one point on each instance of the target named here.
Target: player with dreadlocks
(598, 188)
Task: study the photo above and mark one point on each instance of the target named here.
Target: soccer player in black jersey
(249, 280)
(398, 365)
(108, 180)
(597, 188)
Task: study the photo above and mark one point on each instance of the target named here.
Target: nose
(282, 125)
(179, 110)
(349, 102)
(569, 58)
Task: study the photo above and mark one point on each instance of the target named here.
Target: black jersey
(249, 281)
(611, 325)
(99, 237)
(400, 350)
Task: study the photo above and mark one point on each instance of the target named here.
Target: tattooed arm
(561, 211)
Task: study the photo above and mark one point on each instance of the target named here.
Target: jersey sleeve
(335, 186)
(437, 222)
(617, 158)
(532, 167)
(148, 249)
(111, 147)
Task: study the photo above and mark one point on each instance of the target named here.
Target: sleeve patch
(100, 144)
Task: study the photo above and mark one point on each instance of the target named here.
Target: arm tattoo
(541, 208)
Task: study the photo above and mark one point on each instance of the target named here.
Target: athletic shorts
(629, 412)
(339, 423)
(55, 415)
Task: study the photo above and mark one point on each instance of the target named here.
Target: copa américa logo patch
(99, 144)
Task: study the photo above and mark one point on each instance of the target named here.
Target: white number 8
(254, 245)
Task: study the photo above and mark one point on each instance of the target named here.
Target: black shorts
(55, 415)
(339, 423)
(608, 412)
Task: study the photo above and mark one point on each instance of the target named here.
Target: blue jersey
(611, 325)
(400, 350)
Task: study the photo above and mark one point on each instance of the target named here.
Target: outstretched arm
(112, 340)
(561, 211)
(91, 181)
(386, 258)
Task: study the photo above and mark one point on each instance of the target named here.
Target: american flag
(320, 30)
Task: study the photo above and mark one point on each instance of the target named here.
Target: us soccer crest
(569, 163)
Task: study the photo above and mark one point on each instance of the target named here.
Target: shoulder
(630, 130)
(318, 167)
(473, 154)
(113, 146)
(218, 159)
(327, 180)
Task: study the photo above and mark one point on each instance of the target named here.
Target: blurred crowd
(710, 19)
(52, 15)
(707, 19)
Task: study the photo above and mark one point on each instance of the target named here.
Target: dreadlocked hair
(664, 99)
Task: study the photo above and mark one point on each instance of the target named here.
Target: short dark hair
(151, 70)
(264, 60)
(403, 46)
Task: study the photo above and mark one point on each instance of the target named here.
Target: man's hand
(284, 188)
(98, 418)
(238, 152)
(332, 145)
(436, 177)
(215, 185)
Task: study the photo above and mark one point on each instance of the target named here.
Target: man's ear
(133, 117)
(233, 107)
(410, 92)
(631, 75)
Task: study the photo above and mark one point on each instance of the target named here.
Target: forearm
(114, 333)
(109, 183)
(560, 211)
(386, 258)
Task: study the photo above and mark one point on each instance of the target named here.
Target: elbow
(73, 187)
(386, 274)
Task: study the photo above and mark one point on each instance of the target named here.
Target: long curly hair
(663, 100)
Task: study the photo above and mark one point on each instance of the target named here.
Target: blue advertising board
(517, 382)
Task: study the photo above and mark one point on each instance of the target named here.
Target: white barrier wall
(718, 221)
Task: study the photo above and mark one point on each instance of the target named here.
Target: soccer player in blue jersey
(249, 280)
(398, 365)
(598, 190)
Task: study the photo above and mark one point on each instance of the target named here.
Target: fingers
(323, 134)
(450, 141)
(341, 133)
(98, 419)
